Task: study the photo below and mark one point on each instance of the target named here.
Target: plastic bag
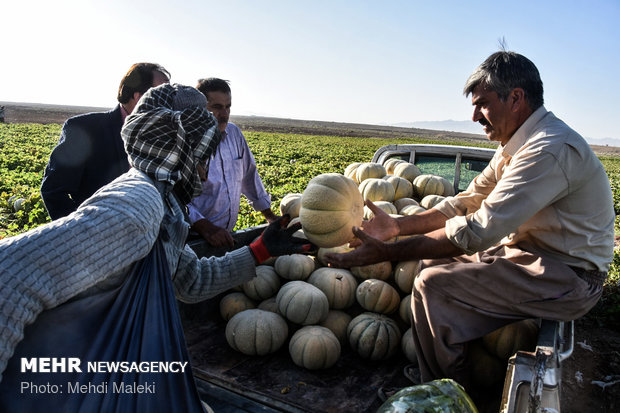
(124, 338)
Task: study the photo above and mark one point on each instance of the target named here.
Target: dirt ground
(590, 377)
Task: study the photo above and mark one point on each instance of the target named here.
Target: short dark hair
(213, 84)
(139, 78)
(502, 72)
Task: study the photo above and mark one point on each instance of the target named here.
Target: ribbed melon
(331, 205)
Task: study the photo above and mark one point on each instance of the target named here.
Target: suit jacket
(90, 154)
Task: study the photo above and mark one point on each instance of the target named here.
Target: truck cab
(458, 164)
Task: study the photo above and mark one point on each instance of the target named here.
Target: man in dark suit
(90, 151)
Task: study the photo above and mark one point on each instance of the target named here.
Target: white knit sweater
(85, 251)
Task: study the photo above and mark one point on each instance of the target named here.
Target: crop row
(286, 162)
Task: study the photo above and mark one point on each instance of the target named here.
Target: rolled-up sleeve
(529, 184)
(252, 185)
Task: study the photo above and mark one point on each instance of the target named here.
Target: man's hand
(278, 240)
(269, 215)
(381, 226)
(369, 251)
(214, 235)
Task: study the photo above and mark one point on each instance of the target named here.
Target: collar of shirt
(217, 150)
(523, 133)
(225, 133)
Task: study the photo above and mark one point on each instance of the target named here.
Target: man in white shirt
(230, 172)
(531, 237)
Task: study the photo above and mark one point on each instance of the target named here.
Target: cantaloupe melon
(331, 205)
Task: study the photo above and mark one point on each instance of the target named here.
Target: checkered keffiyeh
(169, 132)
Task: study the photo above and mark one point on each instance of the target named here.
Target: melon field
(286, 163)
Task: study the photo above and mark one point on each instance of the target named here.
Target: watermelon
(443, 395)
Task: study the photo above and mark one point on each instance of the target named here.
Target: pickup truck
(232, 382)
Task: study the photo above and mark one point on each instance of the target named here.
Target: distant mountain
(465, 126)
(603, 141)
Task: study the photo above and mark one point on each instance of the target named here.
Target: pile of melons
(319, 309)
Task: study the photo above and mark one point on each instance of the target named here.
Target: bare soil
(590, 377)
(43, 113)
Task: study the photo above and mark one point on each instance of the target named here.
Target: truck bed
(275, 382)
(233, 382)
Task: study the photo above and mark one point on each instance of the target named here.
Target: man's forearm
(269, 215)
(422, 223)
(434, 244)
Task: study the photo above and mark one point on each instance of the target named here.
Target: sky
(344, 61)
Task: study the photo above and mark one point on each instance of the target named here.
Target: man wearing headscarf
(95, 247)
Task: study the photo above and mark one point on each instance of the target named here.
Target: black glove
(278, 240)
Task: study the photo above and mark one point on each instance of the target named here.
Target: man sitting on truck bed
(531, 237)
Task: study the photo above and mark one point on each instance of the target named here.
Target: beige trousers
(459, 299)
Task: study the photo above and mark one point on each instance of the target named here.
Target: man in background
(231, 171)
(90, 152)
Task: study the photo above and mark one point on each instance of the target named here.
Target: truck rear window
(470, 168)
(437, 165)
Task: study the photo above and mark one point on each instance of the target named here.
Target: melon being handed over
(340, 249)
(331, 205)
